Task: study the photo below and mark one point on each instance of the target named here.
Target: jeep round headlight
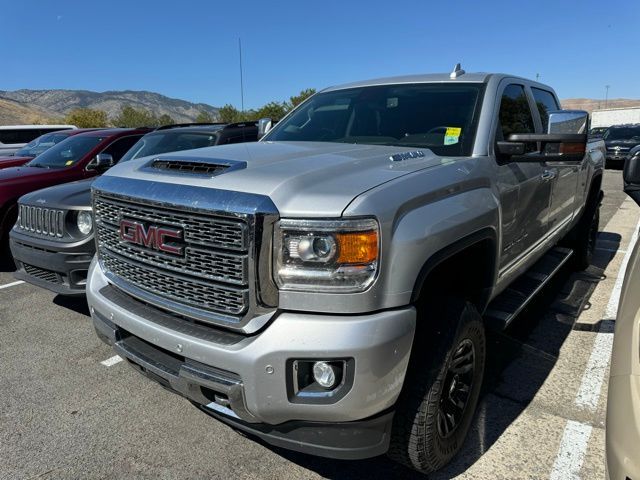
(326, 255)
(85, 222)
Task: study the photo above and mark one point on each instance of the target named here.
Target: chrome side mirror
(568, 121)
(264, 125)
(102, 162)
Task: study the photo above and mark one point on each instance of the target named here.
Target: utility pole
(241, 82)
(606, 96)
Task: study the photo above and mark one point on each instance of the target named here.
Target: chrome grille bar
(41, 221)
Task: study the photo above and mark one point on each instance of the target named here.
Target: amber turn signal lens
(357, 247)
(572, 148)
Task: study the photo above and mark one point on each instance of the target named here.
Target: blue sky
(189, 49)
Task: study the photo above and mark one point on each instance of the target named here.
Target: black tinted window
(170, 141)
(440, 117)
(121, 146)
(515, 114)
(622, 133)
(546, 102)
(18, 136)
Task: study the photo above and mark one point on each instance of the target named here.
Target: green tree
(273, 110)
(301, 97)
(164, 119)
(87, 118)
(204, 117)
(229, 114)
(132, 117)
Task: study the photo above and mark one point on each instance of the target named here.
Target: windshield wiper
(39, 165)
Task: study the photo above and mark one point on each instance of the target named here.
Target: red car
(80, 156)
(38, 146)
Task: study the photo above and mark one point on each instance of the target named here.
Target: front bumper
(246, 380)
(623, 427)
(56, 266)
(617, 157)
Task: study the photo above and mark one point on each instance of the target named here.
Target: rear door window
(545, 102)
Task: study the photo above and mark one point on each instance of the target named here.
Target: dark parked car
(38, 146)
(597, 132)
(620, 139)
(81, 156)
(59, 260)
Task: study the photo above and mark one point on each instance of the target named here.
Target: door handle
(548, 175)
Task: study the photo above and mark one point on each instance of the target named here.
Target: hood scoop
(209, 167)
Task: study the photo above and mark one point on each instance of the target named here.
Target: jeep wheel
(441, 392)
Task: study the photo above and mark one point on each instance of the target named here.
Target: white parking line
(109, 362)
(575, 439)
(593, 378)
(12, 284)
(572, 449)
(612, 250)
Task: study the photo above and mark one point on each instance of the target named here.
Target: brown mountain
(590, 104)
(16, 113)
(22, 105)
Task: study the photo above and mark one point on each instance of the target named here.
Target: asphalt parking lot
(70, 409)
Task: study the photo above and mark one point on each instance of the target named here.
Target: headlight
(326, 255)
(84, 222)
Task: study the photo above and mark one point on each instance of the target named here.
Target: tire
(447, 368)
(584, 238)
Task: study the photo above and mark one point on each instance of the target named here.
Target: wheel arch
(477, 254)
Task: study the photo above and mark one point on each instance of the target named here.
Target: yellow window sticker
(452, 135)
(69, 162)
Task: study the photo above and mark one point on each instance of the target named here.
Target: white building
(615, 116)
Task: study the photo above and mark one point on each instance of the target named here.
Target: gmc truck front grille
(211, 273)
(41, 221)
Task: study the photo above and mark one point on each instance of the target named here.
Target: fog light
(324, 374)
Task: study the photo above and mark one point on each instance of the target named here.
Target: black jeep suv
(59, 260)
(620, 139)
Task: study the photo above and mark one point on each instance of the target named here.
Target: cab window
(545, 102)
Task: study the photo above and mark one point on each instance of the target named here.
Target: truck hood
(302, 179)
(74, 195)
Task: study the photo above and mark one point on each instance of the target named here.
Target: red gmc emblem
(157, 238)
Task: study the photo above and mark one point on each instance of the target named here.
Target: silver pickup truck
(327, 289)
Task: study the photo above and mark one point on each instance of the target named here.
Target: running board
(506, 306)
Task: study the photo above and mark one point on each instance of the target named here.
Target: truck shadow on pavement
(6, 260)
(76, 304)
(519, 361)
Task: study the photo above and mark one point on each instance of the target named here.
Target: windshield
(66, 153)
(626, 133)
(169, 141)
(40, 144)
(440, 117)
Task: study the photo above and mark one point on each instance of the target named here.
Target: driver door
(524, 187)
